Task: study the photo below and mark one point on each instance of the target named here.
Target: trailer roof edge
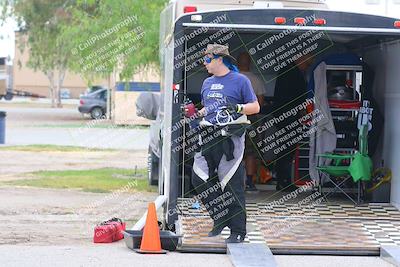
(289, 27)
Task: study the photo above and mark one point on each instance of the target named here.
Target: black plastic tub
(169, 240)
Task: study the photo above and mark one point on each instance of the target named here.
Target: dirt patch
(60, 217)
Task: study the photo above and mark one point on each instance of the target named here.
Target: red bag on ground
(109, 231)
(120, 226)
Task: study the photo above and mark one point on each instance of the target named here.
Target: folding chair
(357, 166)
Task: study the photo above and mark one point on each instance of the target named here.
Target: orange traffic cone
(151, 243)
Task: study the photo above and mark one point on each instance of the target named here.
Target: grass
(51, 148)
(97, 180)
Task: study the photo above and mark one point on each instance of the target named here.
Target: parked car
(92, 89)
(94, 103)
(65, 93)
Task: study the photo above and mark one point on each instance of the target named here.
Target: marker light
(300, 21)
(319, 22)
(280, 20)
(188, 9)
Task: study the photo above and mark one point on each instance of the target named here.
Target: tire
(96, 113)
(9, 96)
(152, 168)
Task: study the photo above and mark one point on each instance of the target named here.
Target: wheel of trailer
(152, 167)
(8, 96)
(96, 113)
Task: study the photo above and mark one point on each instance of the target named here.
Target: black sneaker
(235, 238)
(251, 188)
(216, 231)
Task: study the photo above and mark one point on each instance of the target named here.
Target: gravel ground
(35, 216)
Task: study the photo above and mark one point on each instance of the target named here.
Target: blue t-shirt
(217, 91)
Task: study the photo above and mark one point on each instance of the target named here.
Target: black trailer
(273, 36)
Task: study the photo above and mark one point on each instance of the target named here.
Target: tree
(114, 35)
(94, 38)
(40, 23)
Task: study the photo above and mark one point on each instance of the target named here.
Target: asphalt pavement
(117, 254)
(67, 127)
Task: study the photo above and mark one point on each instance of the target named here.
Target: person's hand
(201, 112)
(233, 108)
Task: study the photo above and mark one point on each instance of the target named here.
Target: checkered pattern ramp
(339, 228)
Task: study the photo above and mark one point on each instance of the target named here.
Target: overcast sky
(378, 7)
(7, 38)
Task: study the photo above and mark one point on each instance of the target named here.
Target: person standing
(290, 91)
(218, 171)
(244, 62)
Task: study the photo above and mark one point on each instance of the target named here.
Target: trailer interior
(365, 46)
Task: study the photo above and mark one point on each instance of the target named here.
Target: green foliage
(59, 29)
(119, 46)
(40, 22)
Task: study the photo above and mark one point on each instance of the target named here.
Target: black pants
(225, 211)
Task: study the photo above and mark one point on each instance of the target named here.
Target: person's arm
(251, 108)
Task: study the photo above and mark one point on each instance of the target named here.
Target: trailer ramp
(324, 229)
